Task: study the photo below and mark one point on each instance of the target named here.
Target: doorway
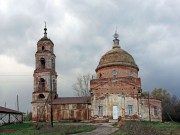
(115, 112)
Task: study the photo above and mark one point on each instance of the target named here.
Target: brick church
(116, 90)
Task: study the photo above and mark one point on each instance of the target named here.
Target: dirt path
(101, 129)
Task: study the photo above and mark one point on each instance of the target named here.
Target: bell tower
(45, 78)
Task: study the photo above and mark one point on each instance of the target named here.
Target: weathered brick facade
(45, 89)
(45, 78)
(116, 90)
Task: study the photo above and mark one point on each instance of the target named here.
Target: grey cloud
(82, 32)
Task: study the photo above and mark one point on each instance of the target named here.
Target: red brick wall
(122, 71)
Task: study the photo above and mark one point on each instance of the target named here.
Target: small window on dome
(114, 72)
(131, 74)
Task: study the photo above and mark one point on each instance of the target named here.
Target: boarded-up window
(100, 110)
(155, 111)
(130, 109)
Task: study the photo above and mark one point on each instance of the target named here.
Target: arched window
(40, 96)
(43, 48)
(42, 63)
(100, 75)
(41, 84)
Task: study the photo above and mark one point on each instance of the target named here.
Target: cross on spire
(45, 29)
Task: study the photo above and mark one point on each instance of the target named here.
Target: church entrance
(115, 112)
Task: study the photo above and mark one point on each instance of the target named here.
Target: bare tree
(82, 85)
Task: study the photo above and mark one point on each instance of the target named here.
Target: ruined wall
(155, 109)
(118, 100)
(61, 112)
(140, 107)
(39, 112)
(71, 112)
(128, 85)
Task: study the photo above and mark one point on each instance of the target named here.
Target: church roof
(116, 56)
(45, 39)
(72, 100)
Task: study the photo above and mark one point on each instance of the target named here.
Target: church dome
(116, 57)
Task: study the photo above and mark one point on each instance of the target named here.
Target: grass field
(58, 129)
(148, 128)
(64, 128)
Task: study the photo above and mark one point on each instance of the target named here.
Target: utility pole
(149, 108)
(17, 104)
(5, 105)
(51, 101)
(138, 103)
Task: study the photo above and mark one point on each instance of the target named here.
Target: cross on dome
(116, 40)
(115, 34)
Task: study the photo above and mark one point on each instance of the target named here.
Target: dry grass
(147, 128)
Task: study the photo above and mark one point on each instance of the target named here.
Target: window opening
(130, 109)
(100, 111)
(100, 75)
(43, 48)
(42, 62)
(41, 96)
(42, 84)
(131, 73)
(114, 72)
(155, 111)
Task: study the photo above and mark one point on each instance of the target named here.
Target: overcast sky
(82, 31)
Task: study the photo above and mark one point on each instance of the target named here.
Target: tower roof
(45, 38)
(116, 57)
